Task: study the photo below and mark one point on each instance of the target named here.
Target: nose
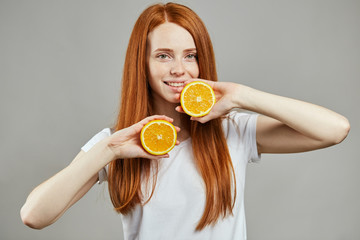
(177, 69)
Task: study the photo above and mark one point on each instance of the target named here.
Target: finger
(138, 126)
(163, 117)
(154, 157)
(196, 119)
(156, 117)
(179, 109)
(198, 79)
(157, 157)
(202, 119)
(211, 83)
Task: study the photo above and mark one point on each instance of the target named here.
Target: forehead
(170, 35)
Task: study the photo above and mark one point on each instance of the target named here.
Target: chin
(172, 99)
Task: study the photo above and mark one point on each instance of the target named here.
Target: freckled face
(171, 59)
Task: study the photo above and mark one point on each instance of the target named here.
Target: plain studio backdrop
(61, 64)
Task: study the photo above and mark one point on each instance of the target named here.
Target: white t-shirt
(179, 197)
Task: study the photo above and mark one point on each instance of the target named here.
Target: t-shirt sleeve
(251, 138)
(94, 140)
(242, 133)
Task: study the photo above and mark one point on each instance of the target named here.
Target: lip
(175, 84)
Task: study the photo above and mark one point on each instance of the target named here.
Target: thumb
(204, 119)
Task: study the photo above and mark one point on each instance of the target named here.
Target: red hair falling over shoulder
(210, 149)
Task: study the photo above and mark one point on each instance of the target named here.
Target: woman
(198, 191)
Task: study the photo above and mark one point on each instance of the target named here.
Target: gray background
(61, 64)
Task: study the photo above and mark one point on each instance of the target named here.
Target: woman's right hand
(126, 143)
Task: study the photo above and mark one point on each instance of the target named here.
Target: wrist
(241, 98)
(108, 150)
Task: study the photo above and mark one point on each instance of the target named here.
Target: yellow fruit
(197, 98)
(158, 137)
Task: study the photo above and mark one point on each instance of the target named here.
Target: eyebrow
(170, 50)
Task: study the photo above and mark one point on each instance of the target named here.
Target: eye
(162, 56)
(191, 56)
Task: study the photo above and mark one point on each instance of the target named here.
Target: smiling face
(171, 59)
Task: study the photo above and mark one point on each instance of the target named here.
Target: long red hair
(210, 149)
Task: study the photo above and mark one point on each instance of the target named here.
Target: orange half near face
(197, 98)
(158, 137)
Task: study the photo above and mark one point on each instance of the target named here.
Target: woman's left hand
(224, 93)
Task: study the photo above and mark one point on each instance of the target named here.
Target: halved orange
(158, 137)
(197, 98)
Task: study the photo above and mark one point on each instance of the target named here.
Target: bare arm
(288, 125)
(285, 125)
(50, 200)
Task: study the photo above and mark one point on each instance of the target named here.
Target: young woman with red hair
(197, 190)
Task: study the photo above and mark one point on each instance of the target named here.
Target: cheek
(193, 70)
(156, 70)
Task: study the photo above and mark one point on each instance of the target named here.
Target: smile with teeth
(175, 84)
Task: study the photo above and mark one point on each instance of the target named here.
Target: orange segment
(197, 98)
(158, 137)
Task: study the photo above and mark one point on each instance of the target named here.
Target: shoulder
(106, 132)
(239, 121)
(240, 132)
